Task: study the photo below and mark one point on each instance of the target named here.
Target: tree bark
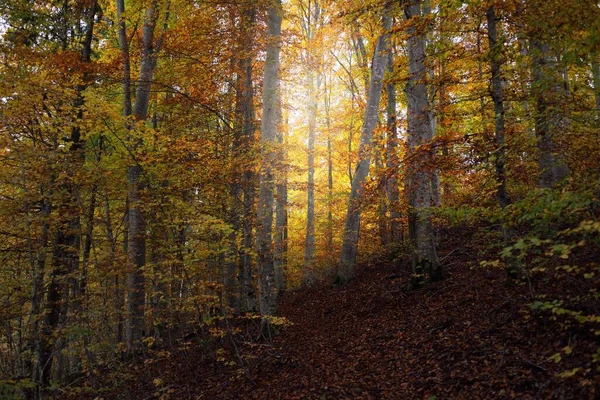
(498, 99)
(549, 119)
(596, 78)
(247, 299)
(271, 118)
(281, 213)
(136, 252)
(329, 233)
(63, 284)
(310, 22)
(419, 173)
(392, 160)
(352, 224)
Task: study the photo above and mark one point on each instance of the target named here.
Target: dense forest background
(170, 169)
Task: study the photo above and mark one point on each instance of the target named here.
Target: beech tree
(419, 174)
(270, 126)
(144, 212)
(352, 225)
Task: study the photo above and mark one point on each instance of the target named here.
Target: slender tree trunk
(281, 213)
(392, 159)
(382, 206)
(308, 275)
(136, 252)
(596, 78)
(63, 284)
(310, 21)
(498, 99)
(352, 223)
(419, 173)
(39, 343)
(248, 295)
(271, 118)
(549, 119)
(329, 232)
(433, 101)
(124, 45)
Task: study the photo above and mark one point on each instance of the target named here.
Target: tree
(352, 224)
(136, 248)
(549, 94)
(419, 174)
(311, 16)
(270, 125)
(392, 159)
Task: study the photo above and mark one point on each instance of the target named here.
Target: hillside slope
(468, 337)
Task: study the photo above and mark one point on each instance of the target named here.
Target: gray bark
(281, 214)
(310, 21)
(497, 94)
(268, 293)
(124, 45)
(392, 160)
(549, 119)
(498, 99)
(329, 233)
(248, 295)
(247, 299)
(419, 172)
(136, 252)
(352, 224)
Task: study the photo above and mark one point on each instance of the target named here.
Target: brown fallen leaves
(468, 337)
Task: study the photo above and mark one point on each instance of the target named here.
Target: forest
(299, 199)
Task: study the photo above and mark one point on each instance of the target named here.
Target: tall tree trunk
(419, 173)
(498, 99)
(235, 191)
(352, 224)
(596, 78)
(248, 295)
(432, 102)
(281, 212)
(549, 119)
(308, 275)
(382, 206)
(136, 252)
(392, 160)
(329, 232)
(39, 343)
(67, 236)
(496, 49)
(310, 20)
(124, 45)
(271, 119)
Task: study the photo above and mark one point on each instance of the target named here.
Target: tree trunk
(271, 118)
(329, 232)
(247, 300)
(498, 99)
(67, 235)
(281, 213)
(500, 151)
(596, 78)
(392, 160)
(549, 119)
(419, 173)
(124, 45)
(352, 223)
(308, 274)
(136, 252)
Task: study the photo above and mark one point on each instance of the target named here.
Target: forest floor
(467, 337)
